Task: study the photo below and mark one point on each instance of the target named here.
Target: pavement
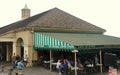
(30, 71)
(37, 71)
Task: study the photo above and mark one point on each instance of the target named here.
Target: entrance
(20, 47)
(5, 51)
(22, 51)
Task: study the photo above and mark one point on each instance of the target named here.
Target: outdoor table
(98, 64)
(46, 64)
(54, 64)
(90, 68)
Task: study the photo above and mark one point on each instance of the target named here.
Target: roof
(53, 18)
(85, 39)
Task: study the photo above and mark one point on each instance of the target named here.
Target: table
(98, 64)
(46, 64)
(90, 68)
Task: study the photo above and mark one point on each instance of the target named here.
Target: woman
(20, 67)
(58, 66)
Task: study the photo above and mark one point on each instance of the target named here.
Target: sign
(112, 71)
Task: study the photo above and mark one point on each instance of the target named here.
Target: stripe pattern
(44, 41)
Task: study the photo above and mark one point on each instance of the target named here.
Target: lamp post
(75, 51)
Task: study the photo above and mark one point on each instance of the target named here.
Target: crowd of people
(17, 58)
(66, 65)
(19, 63)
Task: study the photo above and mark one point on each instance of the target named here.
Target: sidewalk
(37, 71)
(41, 71)
(31, 71)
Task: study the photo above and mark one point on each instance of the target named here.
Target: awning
(42, 41)
(72, 40)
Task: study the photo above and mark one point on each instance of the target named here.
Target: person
(80, 68)
(17, 59)
(25, 60)
(58, 66)
(65, 66)
(20, 67)
(13, 61)
(118, 62)
(96, 59)
(41, 59)
(1, 57)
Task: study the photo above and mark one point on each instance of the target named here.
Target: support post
(75, 64)
(75, 51)
(50, 60)
(100, 53)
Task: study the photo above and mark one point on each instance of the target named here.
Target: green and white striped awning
(47, 42)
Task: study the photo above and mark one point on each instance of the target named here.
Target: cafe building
(54, 31)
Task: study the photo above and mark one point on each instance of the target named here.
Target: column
(100, 53)
(50, 60)
(7, 53)
(14, 48)
(28, 51)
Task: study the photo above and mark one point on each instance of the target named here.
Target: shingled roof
(53, 18)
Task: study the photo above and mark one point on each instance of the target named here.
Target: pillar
(28, 51)
(51, 60)
(14, 49)
(7, 53)
(100, 53)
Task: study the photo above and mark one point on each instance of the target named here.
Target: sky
(102, 13)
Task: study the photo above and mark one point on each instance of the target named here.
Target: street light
(75, 51)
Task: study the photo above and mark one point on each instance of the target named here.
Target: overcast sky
(102, 13)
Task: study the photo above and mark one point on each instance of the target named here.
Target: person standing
(58, 67)
(20, 67)
(25, 60)
(96, 59)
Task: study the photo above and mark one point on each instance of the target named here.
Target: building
(53, 30)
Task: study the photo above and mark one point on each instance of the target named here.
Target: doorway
(20, 47)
